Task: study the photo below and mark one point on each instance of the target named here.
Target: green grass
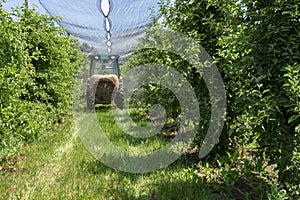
(123, 140)
(60, 167)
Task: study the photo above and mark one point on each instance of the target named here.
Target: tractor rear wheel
(119, 100)
(90, 101)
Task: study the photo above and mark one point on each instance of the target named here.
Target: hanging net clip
(105, 8)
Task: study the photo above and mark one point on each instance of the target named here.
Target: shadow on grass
(103, 108)
(180, 181)
(243, 188)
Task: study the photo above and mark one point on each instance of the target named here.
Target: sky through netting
(84, 20)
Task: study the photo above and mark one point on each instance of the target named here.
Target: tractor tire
(90, 101)
(119, 100)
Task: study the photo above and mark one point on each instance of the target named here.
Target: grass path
(52, 170)
(60, 167)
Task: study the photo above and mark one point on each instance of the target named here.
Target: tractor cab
(104, 65)
(104, 83)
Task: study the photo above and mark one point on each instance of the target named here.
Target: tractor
(105, 84)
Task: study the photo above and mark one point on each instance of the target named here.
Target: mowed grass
(60, 167)
(121, 139)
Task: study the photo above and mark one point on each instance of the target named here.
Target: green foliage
(267, 89)
(256, 47)
(192, 19)
(154, 93)
(38, 65)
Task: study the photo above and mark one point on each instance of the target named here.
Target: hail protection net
(84, 20)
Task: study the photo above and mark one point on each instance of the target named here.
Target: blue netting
(83, 19)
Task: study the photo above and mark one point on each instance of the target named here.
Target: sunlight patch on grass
(123, 140)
